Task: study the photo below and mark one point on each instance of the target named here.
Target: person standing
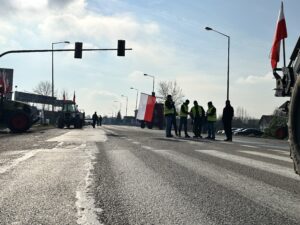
(228, 114)
(197, 114)
(184, 112)
(95, 119)
(211, 120)
(100, 120)
(174, 121)
(169, 113)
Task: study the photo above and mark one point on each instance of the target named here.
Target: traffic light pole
(60, 50)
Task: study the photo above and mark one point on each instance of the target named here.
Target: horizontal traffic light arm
(60, 50)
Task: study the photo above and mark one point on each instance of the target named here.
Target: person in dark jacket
(95, 119)
(174, 121)
(228, 114)
(197, 115)
(169, 113)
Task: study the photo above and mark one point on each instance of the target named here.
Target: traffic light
(121, 47)
(78, 50)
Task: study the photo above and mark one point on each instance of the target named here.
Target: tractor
(17, 116)
(288, 85)
(70, 116)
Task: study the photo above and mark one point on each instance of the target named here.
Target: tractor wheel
(19, 122)
(60, 123)
(294, 126)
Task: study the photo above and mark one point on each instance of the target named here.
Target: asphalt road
(127, 175)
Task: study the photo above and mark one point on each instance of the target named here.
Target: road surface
(127, 175)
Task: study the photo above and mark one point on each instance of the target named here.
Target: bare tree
(166, 88)
(241, 113)
(43, 88)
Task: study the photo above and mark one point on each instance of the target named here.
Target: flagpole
(283, 46)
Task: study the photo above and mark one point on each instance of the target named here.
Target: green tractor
(17, 116)
(70, 116)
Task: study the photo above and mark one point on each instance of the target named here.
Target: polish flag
(4, 83)
(280, 34)
(146, 107)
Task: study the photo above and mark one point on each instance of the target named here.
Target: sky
(168, 41)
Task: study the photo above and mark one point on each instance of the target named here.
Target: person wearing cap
(227, 116)
(197, 114)
(169, 114)
(211, 115)
(184, 112)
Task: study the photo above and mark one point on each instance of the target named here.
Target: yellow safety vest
(184, 114)
(193, 111)
(168, 111)
(211, 118)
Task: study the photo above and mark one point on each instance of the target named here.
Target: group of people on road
(199, 119)
(96, 120)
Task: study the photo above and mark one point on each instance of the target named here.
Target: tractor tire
(19, 122)
(60, 123)
(294, 126)
(77, 123)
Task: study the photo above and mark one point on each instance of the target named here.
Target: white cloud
(256, 79)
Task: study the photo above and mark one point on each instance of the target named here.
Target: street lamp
(137, 94)
(54, 43)
(228, 37)
(126, 102)
(147, 75)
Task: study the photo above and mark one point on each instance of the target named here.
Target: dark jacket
(228, 113)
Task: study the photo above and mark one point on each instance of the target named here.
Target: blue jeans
(211, 129)
(169, 119)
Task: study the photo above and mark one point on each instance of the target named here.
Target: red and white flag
(3, 83)
(146, 107)
(280, 34)
(74, 97)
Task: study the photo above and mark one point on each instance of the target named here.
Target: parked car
(249, 132)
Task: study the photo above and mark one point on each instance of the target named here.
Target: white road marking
(85, 204)
(147, 147)
(269, 167)
(257, 191)
(15, 162)
(249, 146)
(268, 155)
(136, 143)
(280, 151)
(86, 135)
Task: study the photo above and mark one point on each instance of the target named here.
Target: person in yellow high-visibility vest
(169, 111)
(184, 112)
(211, 116)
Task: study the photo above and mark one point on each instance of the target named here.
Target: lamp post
(147, 75)
(54, 43)
(228, 37)
(126, 102)
(137, 94)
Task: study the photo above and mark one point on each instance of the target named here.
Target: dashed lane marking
(268, 167)
(268, 155)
